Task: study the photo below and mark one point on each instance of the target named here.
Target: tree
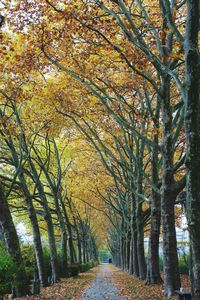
(192, 124)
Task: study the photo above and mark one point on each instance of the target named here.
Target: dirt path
(101, 287)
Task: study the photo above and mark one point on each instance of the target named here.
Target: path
(102, 288)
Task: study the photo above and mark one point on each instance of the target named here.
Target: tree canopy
(99, 134)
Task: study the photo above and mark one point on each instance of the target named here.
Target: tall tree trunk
(21, 285)
(170, 257)
(140, 245)
(33, 219)
(71, 246)
(78, 240)
(84, 250)
(122, 245)
(37, 243)
(122, 252)
(133, 264)
(47, 214)
(64, 252)
(128, 243)
(69, 229)
(135, 254)
(139, 212)
(63, 231)
(79, 248)
(153, 269)
(192, 121)
(49, 222)
(55, 189)
(130, 270)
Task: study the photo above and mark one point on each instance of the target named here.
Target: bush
(47, 261)
(85, 267)
(183, 267)
(161, 263)
(7, 271)
(94, 263)
(29, 260)
(73, 269)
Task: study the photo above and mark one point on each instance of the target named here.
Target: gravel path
(102, 287)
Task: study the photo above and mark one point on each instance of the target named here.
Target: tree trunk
(130, 270)
(47, 214)
(122, 252)
(133, 263)
(79, 249)
(153, 268)
(71, 247)
(84, 251)
(33, 219)
(139, 213)
(21, 285)
(50, 229)
(64, 252)
(170, 257)
(128, 243)
(140, 247)
(37, 244)
(63, 232)
(192, 122)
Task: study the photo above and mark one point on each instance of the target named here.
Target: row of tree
(164, 97)
(31, 186)
(126, 73)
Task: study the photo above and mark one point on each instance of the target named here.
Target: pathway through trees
(102, 286)
(99, 148)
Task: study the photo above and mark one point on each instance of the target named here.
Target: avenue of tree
(100, 133)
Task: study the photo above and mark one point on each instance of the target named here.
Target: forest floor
(103, 282)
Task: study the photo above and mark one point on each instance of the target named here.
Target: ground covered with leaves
(135, 289)
(67, 289)
(128, 286)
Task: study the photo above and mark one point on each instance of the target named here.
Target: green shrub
(29, 260)
(94, 263)
(161, 263)
(47, 261)
(7, 271)
(183, 267)
(85, 267)
(73, 269)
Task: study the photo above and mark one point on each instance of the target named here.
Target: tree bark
(21, 284)
(32, 216)
(49, 222)
(140, 246)
(70, 237)
(168, 197)
(192, 122)
(64, 253)
(133, 263)
(153, 268)
(139, 212)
